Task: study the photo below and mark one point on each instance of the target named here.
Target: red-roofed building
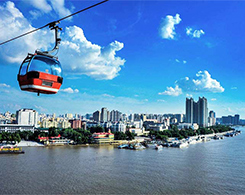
(42, 139)
(103, 137)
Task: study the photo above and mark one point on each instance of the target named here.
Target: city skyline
(146, 59)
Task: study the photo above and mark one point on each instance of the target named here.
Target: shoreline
(23, 143)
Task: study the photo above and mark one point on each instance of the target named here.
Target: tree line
(79, 136)
(185, 133)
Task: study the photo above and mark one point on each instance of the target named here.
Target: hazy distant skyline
(133, 56)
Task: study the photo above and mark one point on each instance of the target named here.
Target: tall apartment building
(212, 118)
(115, 115)
(189, 110)
(27, 117)
(96, 116)
(104, 115)
(197, 112)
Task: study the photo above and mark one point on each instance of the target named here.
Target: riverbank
(29, 143)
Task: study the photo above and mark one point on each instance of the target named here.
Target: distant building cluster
(196, 115)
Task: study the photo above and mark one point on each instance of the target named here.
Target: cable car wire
(57, 21)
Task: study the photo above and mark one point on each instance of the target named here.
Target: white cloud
(194, 33)
(167, 27)
(172, 91)
(70, 90)
(202, 82)
(59, 7)
(79, 56)
(213, 99)
(88, 58)
(180, 61)
(188, 95)
(4, 85)
(41, 5)
(233, 88)
(46, 6)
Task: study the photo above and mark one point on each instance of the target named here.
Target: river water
(214, 167)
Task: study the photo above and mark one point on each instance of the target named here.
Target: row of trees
(180, 134)
(124, 136)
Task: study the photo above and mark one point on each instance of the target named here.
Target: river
(214, 167)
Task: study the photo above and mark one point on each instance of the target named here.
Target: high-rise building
(212, 118)
(96, 116)
(104, 115)
(27, 117)
(236, 119)
(202, 112)
(197, 112)
(189, 110)
(115, 115)
(179, 117)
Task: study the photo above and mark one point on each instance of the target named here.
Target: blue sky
(134, 56)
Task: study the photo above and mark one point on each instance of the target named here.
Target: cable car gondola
(41, 72)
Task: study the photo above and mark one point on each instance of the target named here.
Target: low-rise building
(15, 127)
(193, 126)
(101, 138)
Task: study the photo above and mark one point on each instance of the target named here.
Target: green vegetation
(124, 136)
(180, 134)
(79, 136)
(9, 137)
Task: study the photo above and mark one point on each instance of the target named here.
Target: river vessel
(11, 150)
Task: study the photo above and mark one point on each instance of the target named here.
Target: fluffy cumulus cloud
(77, 54)
(172, 91)
(88, 58)
(70, 90)
(167, 27)
(202, 82)
(46, 6)
(194, 33)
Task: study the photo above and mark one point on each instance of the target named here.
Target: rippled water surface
(214, 167)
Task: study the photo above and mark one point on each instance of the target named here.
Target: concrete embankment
(28, 143)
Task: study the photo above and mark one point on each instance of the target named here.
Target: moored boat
(11, 150)
(158, 147)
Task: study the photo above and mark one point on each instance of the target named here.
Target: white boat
(183, 144)
(180, 144)
(158, 147)
(138, 146)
